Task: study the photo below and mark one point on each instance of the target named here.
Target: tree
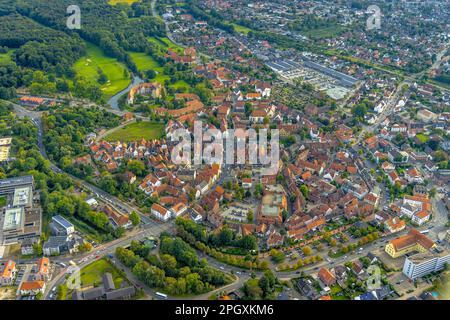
(135, 218)
(85, 247)
(250, 216)
(305, 191)
(306, 250)
(136, 166)
(277, 256)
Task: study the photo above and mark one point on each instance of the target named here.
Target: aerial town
(104, 197)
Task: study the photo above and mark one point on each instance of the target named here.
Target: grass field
(422, 138)
(136, 131)
(145, 62)
(114, 70)
(92, 275)
(241, 29)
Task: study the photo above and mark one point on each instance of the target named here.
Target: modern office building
(421, 264)
(60, 226)
(8, 186)
(19, 219)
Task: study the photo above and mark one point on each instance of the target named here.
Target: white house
(32, 288)
(421, 217)
(160, 212)
(178, 209)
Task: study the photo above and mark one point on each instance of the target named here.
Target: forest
(35, 32)
(176, 269)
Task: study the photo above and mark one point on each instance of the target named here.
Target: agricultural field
(137, 131)
(115, 71)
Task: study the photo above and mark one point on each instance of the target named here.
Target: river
(114, 100)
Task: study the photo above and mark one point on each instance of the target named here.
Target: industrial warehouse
(334, 83)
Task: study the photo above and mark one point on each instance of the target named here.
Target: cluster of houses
(36, 278)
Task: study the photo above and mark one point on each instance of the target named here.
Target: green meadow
(145, 62)
(92, 275)
(137, 131)
(113, 69)
(241, 29)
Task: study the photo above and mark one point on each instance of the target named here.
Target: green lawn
(92, 275)
(241, 29)
(114, 70)
(422, 138)
(136, 131)
(145, 62)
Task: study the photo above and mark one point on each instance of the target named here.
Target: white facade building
(421, 264)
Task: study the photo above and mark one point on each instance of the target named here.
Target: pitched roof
(32, 285)
(412, 238)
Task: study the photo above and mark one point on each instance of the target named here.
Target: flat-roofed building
(272, 205)
(60, 226)
(13, 219)
(8, 186)
(419, 265)
(23, 197)
(20, 219)
(20, 223)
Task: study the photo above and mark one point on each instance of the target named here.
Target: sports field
(137, 131)
(114, 70)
